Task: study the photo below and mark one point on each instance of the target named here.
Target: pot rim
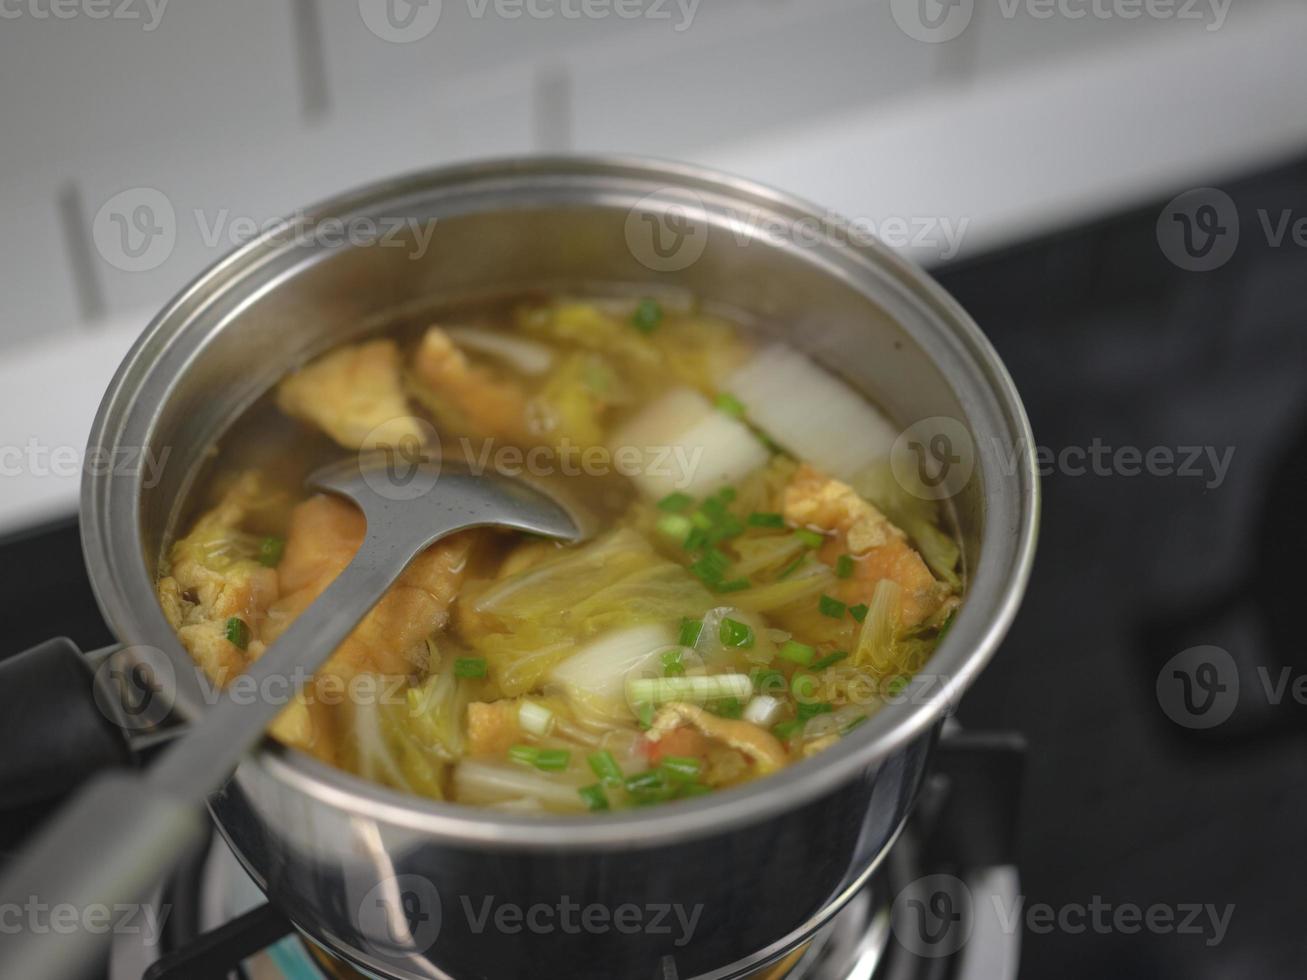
(113, 544)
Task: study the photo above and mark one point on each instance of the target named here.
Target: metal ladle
(124, 831)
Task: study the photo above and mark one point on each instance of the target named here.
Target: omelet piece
(323, 536)
(355, 394)
(879, 549)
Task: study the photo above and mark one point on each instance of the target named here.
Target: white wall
(247, 109)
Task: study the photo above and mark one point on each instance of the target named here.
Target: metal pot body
(406, 887)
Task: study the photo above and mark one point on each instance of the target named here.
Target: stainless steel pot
(405, 887)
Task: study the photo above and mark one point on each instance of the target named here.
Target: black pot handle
(55, 728)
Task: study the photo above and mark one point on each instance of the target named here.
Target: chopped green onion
(644, 714)
(789, 569)
(733, 633)
(728, 527)
(830, 659)
(811, 710)
(700, 687)
(786, 729)
(803, 686)
(764, 519)
(731, 405)
(844, 566)
(858, 612)
(270, 551)
(675, 526)
(796, 652)
(675, 501)
(701, 520)
(648, 314)
(535, 718)
(682, 768)
(690, 630)
(831, 606)
(603, 765)
(671, 660)
(546, 760)
(697, 539)
(470, 667)
(238, 633)
(725, 707)
(594, 796)
(810, 538)
(734, 585)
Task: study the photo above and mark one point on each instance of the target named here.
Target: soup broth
(759, 584)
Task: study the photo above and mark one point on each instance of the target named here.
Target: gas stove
(930, 910)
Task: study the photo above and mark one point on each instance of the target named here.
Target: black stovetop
(1110, 345)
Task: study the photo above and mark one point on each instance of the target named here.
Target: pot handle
(110, 844)
(54, 724)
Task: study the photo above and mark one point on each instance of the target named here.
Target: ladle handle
(201, 759)
(121, 834)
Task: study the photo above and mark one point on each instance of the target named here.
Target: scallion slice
(270, 551)
(731, 405)
(844, 566)
(546, 760)
(690, 630)
(238, 633)
(648, 314)
(810, 539)
(829, 660)
(858, 612)
(594, 796)
(603, 765)
(470, 667)
(830, 606)
(681, 768)
(674, 502)
(765, 519)
(733, 633)
(797, 653)
(698, 687)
